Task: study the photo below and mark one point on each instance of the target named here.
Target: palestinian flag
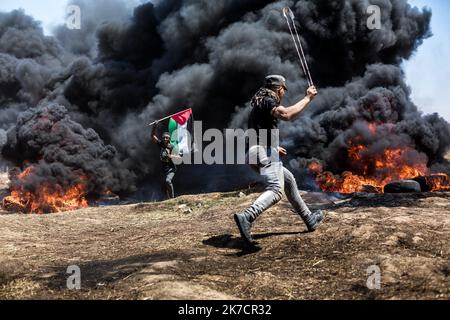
(181, 131)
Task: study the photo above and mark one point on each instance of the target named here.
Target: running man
(266, 114)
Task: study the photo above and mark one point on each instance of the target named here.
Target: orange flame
(46, 198)
(438, 182)
(374, 172)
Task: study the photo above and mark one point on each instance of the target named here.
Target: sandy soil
(189, 248)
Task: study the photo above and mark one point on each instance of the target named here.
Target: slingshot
(290, 19)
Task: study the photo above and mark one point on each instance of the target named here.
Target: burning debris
(64, 164)
(372, 171)
(434, 182)
(45, 197)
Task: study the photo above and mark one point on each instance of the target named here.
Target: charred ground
(188, 248)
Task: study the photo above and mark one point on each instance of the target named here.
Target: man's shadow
(228, 241)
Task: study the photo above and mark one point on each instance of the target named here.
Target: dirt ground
(189, 248)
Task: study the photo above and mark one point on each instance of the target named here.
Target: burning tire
(402, 186)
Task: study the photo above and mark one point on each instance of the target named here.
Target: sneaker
(315, 219)
(244, 226)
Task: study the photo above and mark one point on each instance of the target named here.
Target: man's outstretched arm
(290, 113)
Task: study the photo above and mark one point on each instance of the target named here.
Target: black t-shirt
(164, 155)
(261, 118)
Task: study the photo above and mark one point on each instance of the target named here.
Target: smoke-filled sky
(426, 72)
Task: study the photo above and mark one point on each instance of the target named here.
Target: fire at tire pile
(400, 170)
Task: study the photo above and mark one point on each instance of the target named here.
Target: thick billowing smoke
(63, 153)
(120, 72)
(94, 14)
(373, 110)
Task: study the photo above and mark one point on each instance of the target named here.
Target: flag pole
(168, 117)
(154, 122)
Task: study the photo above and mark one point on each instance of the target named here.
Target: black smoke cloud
(342, 114)
(93, 15)
(63, 152)
(119, 72)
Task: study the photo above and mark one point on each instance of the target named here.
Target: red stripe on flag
(182, 117)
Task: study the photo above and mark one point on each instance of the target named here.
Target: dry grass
(20, 289)
(163, 251)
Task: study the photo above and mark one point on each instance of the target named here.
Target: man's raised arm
(290, 113)
(155, 138)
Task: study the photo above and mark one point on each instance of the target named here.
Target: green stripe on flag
(173, 126)
(180, 136)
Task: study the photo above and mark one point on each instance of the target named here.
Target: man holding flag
(173, 145)
(165, 155)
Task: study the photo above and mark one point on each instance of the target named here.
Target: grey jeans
(275, 178)
(168, 185)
